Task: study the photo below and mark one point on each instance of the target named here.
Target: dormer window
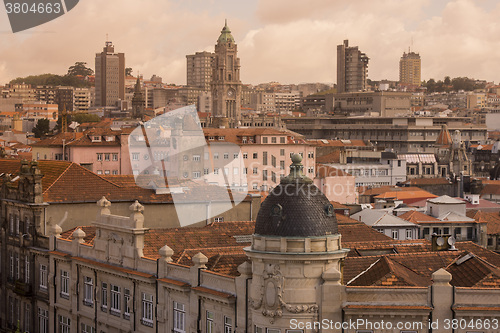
(110, 138)
(96, 139)
(211, 138)
(221, 138)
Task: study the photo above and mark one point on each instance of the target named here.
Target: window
(11, 266)
(245, 156)
(255, 186)
(43, 321)
(87, 328)
(179, 318)
(236, 171)
(106, 156)
(206, 171)
(310, 154)
(43, 277)
(282, 165)
(104, 296)
(147, 309)
(245, 171)
(88, 291)
(64, 324)
(115, 300)
(255, 156)
(27, 269)
(226, 156)
(115, 172)
(395, 234)
(115, 157)
(310, 170)
(135, 156)
(408, 234)
(196, 158)
(228, 325)
(27, 317)
(221, 138)
(106, 172)
(264, 175)
(210, 322)
(99, 157)
(216, 156)
(264, 139)
(282, 139)
(18, 267)
(196, 174)
(282, 152)
(255, 171)
(99, 172)
(126, 303)
(216, 171)
(64, 284)
(219, 219)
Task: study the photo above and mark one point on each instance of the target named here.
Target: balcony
(23, 289)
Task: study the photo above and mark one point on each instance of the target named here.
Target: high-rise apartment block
(199, 69)
(409, 69)
(352, 68)
(109, 76)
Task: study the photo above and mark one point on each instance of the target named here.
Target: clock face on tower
(230, 93)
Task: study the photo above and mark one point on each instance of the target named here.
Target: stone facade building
(298, 268)
(226, 84)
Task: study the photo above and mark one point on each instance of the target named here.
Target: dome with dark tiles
(296, 208)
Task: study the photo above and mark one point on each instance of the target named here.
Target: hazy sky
(278, 40)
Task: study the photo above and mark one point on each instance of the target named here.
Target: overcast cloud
(279, 40)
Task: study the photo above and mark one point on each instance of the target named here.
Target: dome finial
(296, 171)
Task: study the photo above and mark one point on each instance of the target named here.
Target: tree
(447, 80)
(79, 68)
(85, 118)
(42, 128)
(128, 71)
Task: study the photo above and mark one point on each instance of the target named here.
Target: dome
(296, 208)
(225, 35)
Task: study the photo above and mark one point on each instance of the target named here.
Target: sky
(287, 41)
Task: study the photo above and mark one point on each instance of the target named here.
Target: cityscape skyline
(288, 44)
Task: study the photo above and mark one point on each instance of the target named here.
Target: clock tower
(226, 84)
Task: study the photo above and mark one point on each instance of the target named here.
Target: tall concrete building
(352, 68)
(199, 69)
(226, 84)
(409, 69)
(109, 76)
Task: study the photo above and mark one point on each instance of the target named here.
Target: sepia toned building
(109, 76)
(410, 70)
(199, 69)
(352, 68)
(313, 266)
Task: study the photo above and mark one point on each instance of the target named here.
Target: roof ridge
(62, 173)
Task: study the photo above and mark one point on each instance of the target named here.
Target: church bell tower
(226, 84)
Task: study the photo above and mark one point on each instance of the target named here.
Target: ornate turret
(296, 243)
(138, 101)
(225, 35)
(296, 208)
